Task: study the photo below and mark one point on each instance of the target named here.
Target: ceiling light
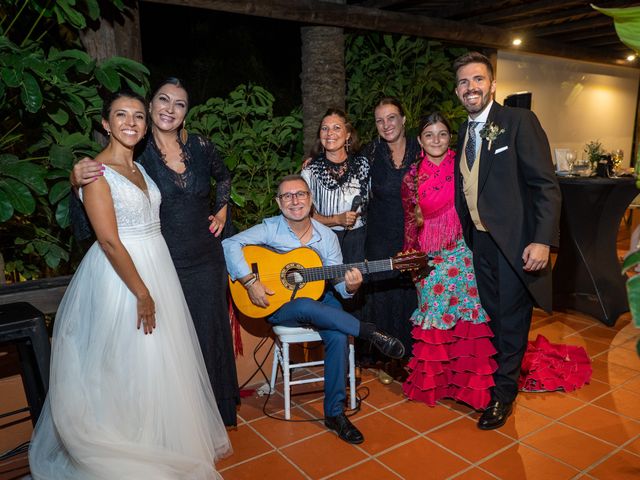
(517, 41)
(631, 58)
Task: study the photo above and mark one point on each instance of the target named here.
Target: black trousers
(509, 305)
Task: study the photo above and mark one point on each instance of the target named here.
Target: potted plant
(594, 151)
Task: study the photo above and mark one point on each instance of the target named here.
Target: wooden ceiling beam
(565, 28)
(360, 18)
(527, 9)
(549, 18)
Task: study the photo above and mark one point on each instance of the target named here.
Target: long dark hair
(108, 101)
(353, 143)
(425, 121)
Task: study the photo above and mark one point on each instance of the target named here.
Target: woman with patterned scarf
(452, 342)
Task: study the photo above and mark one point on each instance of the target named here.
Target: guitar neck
(337, 271)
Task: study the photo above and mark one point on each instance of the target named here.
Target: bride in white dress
(129, 395)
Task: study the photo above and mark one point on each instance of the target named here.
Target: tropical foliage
(415, 70)
(258, 147)
(49, 106)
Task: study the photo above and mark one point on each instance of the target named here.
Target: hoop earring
(184, 135)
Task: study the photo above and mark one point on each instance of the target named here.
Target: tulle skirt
(122, 404)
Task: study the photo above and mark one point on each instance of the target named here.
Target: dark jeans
(334, 326)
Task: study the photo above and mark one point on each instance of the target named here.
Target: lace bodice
(133, 207)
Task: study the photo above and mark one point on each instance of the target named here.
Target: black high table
(587, 274)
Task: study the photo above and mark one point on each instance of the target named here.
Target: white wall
(575, 101)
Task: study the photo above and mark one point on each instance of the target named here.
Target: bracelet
(251, 281)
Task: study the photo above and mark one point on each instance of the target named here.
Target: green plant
(594, 150)
(49, 107)
(258, 147)
(415, 70)
(630, 262)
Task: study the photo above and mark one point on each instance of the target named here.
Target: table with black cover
(587, 274)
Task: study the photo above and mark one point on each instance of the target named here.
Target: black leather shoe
(390, 346)
(495, 415)
(344, 428)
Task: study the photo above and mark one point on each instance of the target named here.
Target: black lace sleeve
(219, 172)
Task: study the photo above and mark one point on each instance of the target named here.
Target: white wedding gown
(122, 404)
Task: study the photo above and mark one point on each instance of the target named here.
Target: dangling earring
(184, 135)
(347, 144)
(108, 133)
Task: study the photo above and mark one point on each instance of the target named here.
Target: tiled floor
(593, 433)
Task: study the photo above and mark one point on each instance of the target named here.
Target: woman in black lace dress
(391, 298)
(182, 166)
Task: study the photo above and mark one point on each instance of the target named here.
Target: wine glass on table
(571, 159)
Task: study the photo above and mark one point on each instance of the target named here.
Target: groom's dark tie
(470, 149)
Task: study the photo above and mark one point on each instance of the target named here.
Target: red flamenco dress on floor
(452, 349)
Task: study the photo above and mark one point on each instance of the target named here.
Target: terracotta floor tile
(474, 474)
(251, 407)
(421, 417)
(631, 344)
(422, 460)
(611, 373)
(622, 401)
(572, 447)
(590, 391)
(272, 466)
(578, 317)
(280, 432)
(467, 440)
(323, 455)
(246, 444)
(381, 432)
(521, 462)
(634, 447)
(315, 409)
(603, 424)
(633, 385)
(461, 408)
(551, 404)
(556, 328)
(624, 321)
(371, 470)
(607, 335)
(522, 422)
(620, 466)
(381, 395)
(621, 356)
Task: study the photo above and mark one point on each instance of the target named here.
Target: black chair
(22, 325)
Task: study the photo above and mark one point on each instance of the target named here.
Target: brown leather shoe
(495, 415)
(346, 430)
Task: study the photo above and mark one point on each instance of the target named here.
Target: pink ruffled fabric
(453, 363)
(549, 366)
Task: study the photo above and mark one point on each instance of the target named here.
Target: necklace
(300, 237)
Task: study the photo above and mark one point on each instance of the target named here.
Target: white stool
(288, 335)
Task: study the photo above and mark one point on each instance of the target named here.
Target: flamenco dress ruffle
(549, 367)
(452, 342)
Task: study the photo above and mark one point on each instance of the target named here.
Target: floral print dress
(452, 347)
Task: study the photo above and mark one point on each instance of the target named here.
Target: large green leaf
(61, 156)
(61, 117)
(11, 77)
(633, 293)
(63, 216)
(30, 93)
(30, 174)
(19, 195)
(59, 191)
(627, 24)
(6, 209)
(108, 77)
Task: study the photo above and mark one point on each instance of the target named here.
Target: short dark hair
(175, 81)
(108, 101)
(291, 178)
(353, 143)
(472, 57)
(391, 101)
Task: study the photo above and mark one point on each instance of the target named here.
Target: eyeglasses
(288, 196)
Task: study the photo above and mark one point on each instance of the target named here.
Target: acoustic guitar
(300, 273)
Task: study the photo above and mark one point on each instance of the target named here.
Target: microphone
(356, 203)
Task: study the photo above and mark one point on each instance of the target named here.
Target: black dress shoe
(388, 345)
(344, 428)
(495, 415)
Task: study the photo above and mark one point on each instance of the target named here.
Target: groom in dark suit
(508, 200)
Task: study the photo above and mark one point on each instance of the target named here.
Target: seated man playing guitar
(294, 229)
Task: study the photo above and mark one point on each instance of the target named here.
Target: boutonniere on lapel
(490, 132)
